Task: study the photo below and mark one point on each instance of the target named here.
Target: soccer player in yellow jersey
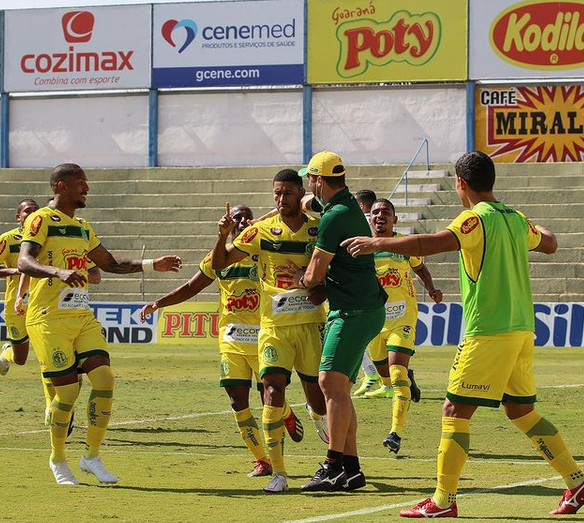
(16, 351)
(291, 324)
(393, 347)
(55, 250)
(494, 362)
(239, 319)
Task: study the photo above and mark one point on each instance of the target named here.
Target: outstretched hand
(147, 310)
(359, 245)
(168, 263)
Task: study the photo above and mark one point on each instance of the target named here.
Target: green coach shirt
(350, 282)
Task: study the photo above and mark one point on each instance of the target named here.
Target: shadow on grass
(160, 430)
(517, 457)
(113, 442)
(522, 518)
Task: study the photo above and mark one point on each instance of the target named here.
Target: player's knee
(20, 353)
(102, 378)
(399, 376)
(66, 394)
(239, 398)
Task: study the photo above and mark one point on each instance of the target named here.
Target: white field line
(224, 412)
(381, 508)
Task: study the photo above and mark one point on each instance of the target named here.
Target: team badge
(253, 273)
(249, 235)
(85, 234)
(270, 354)
(55, 218)
(35, 225)
(313, 231)
(15, 332)
(2, 246)
(532, 227)
(255, 257)
(309, 249)
(224, 368)
(59, 359)
(276, 231)
(469, 225)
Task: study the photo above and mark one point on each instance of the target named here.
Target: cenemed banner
(228, 44)
(530, 39)
(386, 40)
(69, 49)
(530, 123)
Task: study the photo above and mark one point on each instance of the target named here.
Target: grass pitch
(174, 445)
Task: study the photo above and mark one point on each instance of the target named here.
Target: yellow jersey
(280, 253)
(65, 243)
(9, 251)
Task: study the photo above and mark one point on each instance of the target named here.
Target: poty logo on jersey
(390, 279)
(78, 26)
(291, 303)
(76, 263)
(246, 301)
(170, 28)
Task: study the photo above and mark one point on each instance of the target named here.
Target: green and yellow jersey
(280, 253)
(65, 243)
(9, 250)
(494, 242)
(394, 275)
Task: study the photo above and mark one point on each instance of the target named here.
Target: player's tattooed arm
(28, 264)
(106, 261)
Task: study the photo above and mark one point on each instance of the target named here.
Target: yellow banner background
(188, 323)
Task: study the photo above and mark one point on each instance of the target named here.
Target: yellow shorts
(15, 327)
(396, 336)
(61, 344)
(239, 339)
(238, 369)
(490, 369)
(294, 346)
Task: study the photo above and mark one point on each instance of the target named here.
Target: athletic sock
(334, 459)
(48, 390)
(351, 464)
(401, 397)
(99, 408)
(248, 428)
(60, 409)
(452, 454)
(274, 432)
(386, 381)
(550, 444)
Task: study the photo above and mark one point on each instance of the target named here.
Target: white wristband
(148, 265)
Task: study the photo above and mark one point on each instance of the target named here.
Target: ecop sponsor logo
(540, 35)
(76, 30)
(291, 303)
(405, 37)
(170, 27)
(394, 310)
(240, 333)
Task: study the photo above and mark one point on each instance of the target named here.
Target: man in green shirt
(357, 314)
(494, 362)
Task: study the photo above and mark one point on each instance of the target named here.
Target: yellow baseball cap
(324, 163)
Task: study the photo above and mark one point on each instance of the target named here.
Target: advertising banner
(192, 323)
(530, 39)
(228, 44)
(386, 40)
(530, 124)
(66, 49)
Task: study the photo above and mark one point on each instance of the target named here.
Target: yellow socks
(99, 408)
(452, 454)
(60, 410)
(401, 397)
(274, 435)
(551, 446)
(248, 428)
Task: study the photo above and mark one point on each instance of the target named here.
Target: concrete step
(431, 174)
(418, 188)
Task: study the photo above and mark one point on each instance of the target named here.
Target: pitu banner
(386, 40)
(530, 123)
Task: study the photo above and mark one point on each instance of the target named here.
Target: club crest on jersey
(224, 368)
(532, 227)
(249, 235)
(309, 249)
(270, 354)
(59, 359)
(2, 246)
(14, 332)
(35, 225)
(469, 225)
(313, 231)
(55, 218)
(276, 231)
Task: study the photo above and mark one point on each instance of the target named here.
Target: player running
(393, 347)
(55, 249)
(494, 362)
(291, 325)
(239, 318)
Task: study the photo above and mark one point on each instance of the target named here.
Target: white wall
(255, 128)
(104, 131)
(368, 126)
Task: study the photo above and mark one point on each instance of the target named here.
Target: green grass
(174, 445)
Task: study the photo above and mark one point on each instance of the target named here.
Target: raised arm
(7, 271)
(224, 255)
(106, 261)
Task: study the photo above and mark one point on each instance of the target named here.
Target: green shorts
(348, 332)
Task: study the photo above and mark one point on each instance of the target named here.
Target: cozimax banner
(386, 40)
(228, 44)
(66, 49)
(531, 39)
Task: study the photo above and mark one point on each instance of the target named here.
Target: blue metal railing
(404, 176)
